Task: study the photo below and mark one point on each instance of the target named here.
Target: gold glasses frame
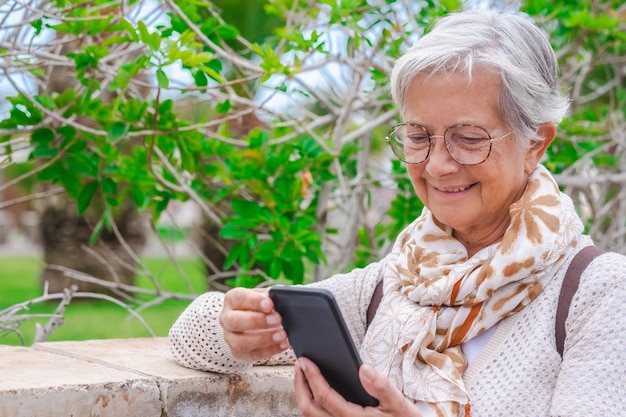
(397, 146)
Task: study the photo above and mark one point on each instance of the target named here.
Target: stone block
(148, 356)
(41, 384)
(260, 392)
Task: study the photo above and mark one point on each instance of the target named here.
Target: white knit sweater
(517, 373)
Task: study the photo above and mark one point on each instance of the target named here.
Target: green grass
(96, 319)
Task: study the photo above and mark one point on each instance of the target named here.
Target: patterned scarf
(435, 298)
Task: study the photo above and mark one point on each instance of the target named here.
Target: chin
(451, 220)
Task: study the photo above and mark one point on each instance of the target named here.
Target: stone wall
(132, 378)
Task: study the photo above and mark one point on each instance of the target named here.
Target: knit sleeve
(593, 373)
(196, 339)
(353, 293)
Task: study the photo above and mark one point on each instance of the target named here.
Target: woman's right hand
(316, 398)
(252, 328)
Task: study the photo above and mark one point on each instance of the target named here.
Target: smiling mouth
(455, 189)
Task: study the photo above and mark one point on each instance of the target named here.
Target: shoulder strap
(568, 289)
(376, 297)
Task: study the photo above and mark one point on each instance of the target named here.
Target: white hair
(506, 43)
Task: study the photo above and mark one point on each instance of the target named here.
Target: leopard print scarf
(435, 298)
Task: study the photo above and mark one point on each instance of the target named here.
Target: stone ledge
(132, 378)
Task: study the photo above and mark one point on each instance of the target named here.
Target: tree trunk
(65, 241)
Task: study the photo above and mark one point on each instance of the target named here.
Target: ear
(547, 132)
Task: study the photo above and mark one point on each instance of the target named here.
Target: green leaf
(42, 135)
(117, 131)
(293, 270)
(252, 242)
(86, 195)
(68, 132)
(38, 25)
(232, 231)
(244, 255)
(115, 40)
(37, 72)
(97, 231)
(275, 268)
(77, 147)
(245, 208)
(109, 186)
(257, 49)
(266, 251)
(187, 37)
(215, 75)
(258, 138)
(140, 197)
(65, 98)
(112, 201)
(153, 40)
(227, 32)
(130, 29)
(46, 101)
(162, 79)
(311, 255)
(451, 5)
(236, 252)
(193, 60)
(223, 107)
(133, 111)
(200, 79)
(105, 220)
(23, 116)
(289, 252)
(44, 151)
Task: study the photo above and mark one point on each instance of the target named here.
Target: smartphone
(316, 330)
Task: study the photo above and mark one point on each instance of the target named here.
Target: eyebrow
(467, 123)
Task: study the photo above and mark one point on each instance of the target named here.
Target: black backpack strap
(568, 289)
(376, 297)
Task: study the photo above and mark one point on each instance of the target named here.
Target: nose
(440, 162)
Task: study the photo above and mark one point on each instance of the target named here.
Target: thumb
(376, 385)
(390, 398)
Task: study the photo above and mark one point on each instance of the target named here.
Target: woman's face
(473, 200)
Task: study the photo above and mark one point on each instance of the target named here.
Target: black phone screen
(317, 331)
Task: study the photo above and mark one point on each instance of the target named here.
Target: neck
(474, 242)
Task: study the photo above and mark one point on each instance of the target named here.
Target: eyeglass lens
(468, 145)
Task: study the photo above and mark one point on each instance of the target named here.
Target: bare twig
(56, 319)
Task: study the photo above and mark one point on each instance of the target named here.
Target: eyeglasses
(466, 144)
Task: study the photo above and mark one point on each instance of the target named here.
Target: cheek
(415, 175)
(513, 158)
(503, 183)
(504, 170)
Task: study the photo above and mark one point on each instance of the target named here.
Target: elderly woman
(466, 323)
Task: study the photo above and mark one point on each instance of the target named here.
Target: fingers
(246, 309)
(249, 299)
(258, 347)
(391, 400)
(315, 397)
(301, 387)
(251, 327)
(307, 404)
(254, 345)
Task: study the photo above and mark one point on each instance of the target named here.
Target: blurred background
(154, 150)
